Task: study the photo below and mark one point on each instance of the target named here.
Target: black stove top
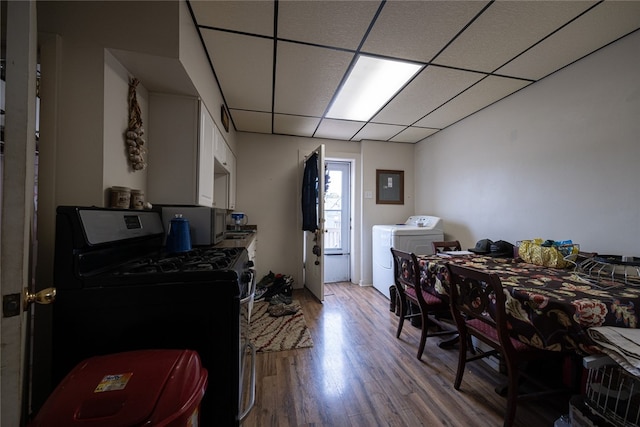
(97, 247)
(199, 259)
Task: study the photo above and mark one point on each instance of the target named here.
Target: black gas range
(119, 290)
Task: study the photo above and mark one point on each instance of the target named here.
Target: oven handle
(252, 292)
(252, 287)
(252, 382)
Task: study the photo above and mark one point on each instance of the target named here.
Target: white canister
(120, 197)
(137, 199)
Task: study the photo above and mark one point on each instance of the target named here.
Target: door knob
(45, 296)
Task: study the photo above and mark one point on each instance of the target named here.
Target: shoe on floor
(267, 280)
(282, 310)
(259, 294)
(280, 299)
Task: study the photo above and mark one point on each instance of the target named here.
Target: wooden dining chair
(410, 293)
(478, 302)
(448, 245)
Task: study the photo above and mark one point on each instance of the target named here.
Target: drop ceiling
(280, 63)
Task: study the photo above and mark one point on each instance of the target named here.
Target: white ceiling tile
(294, 125)
(317, 40)
(328, 23)
(413, 135)
(504, 30)
(430, 89)
(307, 77)
(254, 17)
(338, 129)
(251, 121)
(244, 66)
(485, 92)
(598, 27)
(418, 30)
(378, 132)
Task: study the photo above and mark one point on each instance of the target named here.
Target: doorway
(337, 214)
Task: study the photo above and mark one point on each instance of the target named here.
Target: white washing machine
(415, 235)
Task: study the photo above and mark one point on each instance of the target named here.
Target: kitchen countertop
(238, 243)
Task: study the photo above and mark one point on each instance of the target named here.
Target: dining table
(549, 308)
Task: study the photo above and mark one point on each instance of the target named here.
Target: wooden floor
(351, 376)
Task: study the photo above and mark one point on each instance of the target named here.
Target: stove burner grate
(198, 259)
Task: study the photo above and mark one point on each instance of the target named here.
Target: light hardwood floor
(351, 376)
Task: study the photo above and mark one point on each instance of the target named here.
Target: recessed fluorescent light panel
(371, 83)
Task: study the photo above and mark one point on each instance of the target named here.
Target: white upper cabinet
(225, 173)
(180, 165)
(221, 152)
(231, 161)
(205, 157)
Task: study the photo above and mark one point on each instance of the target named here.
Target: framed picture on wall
(390, 187)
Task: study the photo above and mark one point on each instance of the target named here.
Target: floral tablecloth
(550, 308)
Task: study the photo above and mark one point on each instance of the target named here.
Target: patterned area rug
(269, 333)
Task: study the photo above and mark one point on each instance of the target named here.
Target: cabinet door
(205, 158)
(172, 171)
(231, 161)
(220, 150)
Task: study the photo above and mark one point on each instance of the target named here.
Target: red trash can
(129, 389)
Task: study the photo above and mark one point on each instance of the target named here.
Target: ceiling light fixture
(371, 83)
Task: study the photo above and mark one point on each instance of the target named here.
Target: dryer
(415, 235)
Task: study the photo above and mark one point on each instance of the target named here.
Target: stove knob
(250, 264)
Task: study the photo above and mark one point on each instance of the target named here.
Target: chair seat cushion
(491, 332)
(430, 299)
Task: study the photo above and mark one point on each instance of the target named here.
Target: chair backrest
(448, 245)
(406, 270)
(475, 294)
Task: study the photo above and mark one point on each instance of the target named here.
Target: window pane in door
(333, 211)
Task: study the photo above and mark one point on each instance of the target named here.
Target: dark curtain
(310, 194)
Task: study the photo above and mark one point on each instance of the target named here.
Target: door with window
(337, 215)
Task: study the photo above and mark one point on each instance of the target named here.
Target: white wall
(79, 156)
(557, 160)
(269, 171)
(391, 156)
(117, 170)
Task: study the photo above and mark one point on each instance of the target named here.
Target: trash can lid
(127, 389)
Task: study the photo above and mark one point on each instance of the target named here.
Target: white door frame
(338, 265)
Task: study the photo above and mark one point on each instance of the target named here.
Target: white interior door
(17, 200)
(313, 256)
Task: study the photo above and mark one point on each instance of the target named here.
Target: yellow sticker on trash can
(113, 382)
